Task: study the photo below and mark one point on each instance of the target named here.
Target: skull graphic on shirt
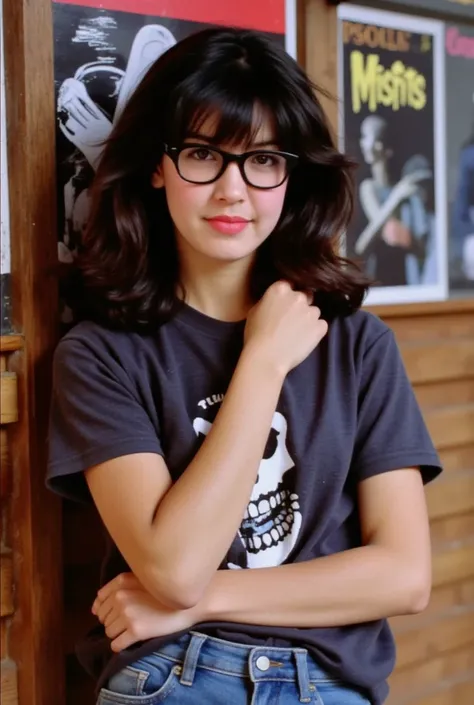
(272, 519)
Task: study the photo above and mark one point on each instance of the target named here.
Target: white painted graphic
(272, 520)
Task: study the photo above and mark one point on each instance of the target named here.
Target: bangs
(234, 109)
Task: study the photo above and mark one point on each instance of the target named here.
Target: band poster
(459, 45)
(392, 124)
(102, 48)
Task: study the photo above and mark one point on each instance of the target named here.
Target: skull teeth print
(269, 520)
(272, 522)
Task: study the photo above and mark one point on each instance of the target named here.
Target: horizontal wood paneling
(445, 599)
(449, 693)
(457, 457)
(451, 494)
(446, 393)
(440, 360)
(453, 563)
(435, 663)
(452, 630)
(408, 682)
(8, 398)
(8, 684)
(433, 327)
(452, 528)
(451, 426)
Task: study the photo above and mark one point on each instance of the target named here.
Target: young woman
(227, 406)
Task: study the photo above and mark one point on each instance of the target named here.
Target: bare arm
(175, 536)
(167, 533)
(389, 575)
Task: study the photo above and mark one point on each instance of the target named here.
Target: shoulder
(360, 330)
(88, 333)
(89, 338)
(91, 348)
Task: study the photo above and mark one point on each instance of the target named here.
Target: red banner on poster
(264, 15)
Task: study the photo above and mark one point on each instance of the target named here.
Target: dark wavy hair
(128, 268)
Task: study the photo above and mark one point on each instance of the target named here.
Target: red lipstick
(229, 225)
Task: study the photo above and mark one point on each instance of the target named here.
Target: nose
(230, 187)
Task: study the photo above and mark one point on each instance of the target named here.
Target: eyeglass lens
(262, 169)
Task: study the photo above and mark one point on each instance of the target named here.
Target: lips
(227, 224)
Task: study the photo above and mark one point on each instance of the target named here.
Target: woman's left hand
(130, 614)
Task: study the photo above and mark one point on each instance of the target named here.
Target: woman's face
(194, 208)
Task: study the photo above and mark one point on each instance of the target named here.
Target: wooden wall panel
(9, 415)
(435, 663)
(34, 641)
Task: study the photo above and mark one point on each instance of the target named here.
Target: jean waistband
(259, 663)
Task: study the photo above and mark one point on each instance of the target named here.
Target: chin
(230, 249)
(228, 255)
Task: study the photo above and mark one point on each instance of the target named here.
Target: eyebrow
(210, 140)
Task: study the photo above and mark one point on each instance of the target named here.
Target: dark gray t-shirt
(345, 414)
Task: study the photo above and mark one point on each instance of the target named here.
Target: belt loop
(303, 676)
(191, 658)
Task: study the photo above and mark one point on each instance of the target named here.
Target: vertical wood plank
(318, 51)
(35, 643)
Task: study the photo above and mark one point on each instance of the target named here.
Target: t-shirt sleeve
(95, 416)
(391, 432)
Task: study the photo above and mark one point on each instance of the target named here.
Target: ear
(157, 179)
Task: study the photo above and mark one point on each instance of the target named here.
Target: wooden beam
(10, 343)
(8, 398)
(35, 638)
(434, 308)
(318, 51)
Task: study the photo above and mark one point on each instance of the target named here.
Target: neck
(220, 290)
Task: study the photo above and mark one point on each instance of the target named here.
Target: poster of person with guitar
(392, 125)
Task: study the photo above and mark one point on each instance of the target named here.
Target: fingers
(105, 610)
(123, 641)
(124, 581)
(283, 286)
(117, 627)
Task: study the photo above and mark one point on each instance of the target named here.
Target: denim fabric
(202, 670)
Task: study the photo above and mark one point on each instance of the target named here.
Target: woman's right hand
(283, 328)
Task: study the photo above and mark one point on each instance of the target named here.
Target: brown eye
(264, 159)
(201, 154)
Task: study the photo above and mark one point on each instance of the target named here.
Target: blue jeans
(202, 670)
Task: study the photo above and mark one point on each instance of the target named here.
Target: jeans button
(262, 663)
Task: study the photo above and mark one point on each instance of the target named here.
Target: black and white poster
(392, 124)
(459, 44)
(102, 49)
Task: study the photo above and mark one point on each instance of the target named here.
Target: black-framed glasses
(262, 168)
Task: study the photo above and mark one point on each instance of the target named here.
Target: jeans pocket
(146, 682)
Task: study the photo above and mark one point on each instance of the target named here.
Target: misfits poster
(392, 123)
(459, 46)
(102, 48)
